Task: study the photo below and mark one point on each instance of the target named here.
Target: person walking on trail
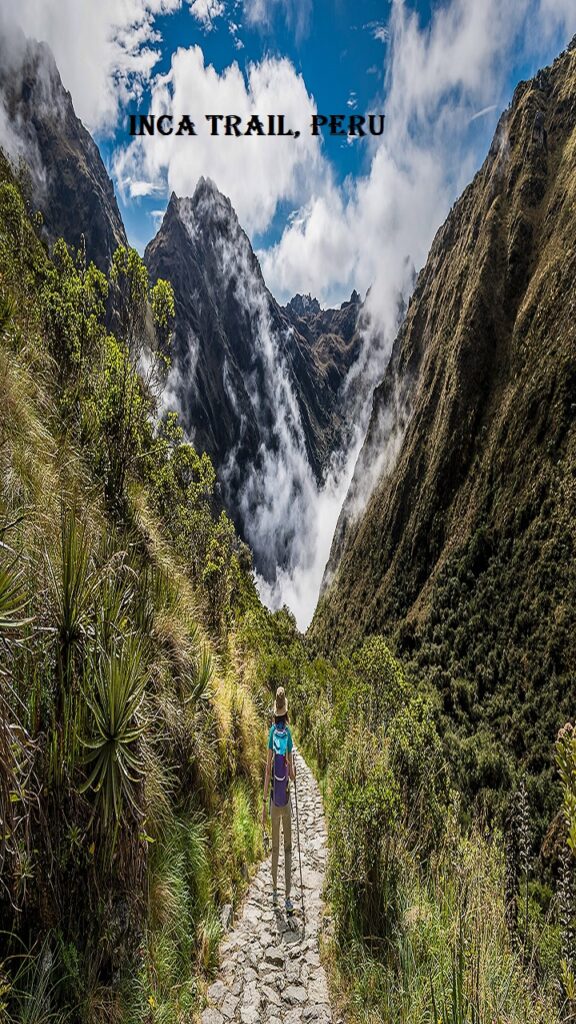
(280, 768)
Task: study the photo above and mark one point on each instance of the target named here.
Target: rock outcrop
(70, 185)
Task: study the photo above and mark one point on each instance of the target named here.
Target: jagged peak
(354, 300)
(206, 186)
(303, 305)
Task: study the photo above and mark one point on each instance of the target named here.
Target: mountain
(457, 536)
(330, 333)
(302, 305)
(256, 384)
(69, 182)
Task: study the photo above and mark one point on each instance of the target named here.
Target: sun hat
(280, 704)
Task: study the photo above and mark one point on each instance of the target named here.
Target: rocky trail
(270, 971)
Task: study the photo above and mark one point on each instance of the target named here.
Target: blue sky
(325, 216)
(344, 52)
(339, 50)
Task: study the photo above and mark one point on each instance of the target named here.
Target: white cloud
(296, 12)
(145, 188)
(378, 30)
(437, 78)
(234, 28)
(206, 11)
(256, 173)
(105, 50)
(372, 231)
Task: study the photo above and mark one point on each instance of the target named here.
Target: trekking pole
(298, 840)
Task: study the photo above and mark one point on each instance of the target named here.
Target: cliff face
(465, 548)
(248, 376)
(70, 184)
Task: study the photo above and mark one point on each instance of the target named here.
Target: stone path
(270, 972)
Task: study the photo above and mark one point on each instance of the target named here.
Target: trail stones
(216, 992)
(212, 1017)
(229, 1006)
(274, 955)
(270, 971)
(295, 994)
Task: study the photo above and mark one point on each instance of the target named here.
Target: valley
(184, 463)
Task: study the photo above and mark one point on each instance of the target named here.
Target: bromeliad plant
(115, 761)
(73, 583)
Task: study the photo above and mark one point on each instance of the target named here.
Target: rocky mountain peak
(66, 170)
(255, 384)
(303, 305)
(354, 300)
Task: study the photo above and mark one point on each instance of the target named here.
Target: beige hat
(280, 704)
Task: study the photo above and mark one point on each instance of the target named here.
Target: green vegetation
(130, 711)
(464, 556)
(437, 913)
(136, 663)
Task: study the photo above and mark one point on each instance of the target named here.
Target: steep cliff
(253, 381)
(70, 185)
(458, 533)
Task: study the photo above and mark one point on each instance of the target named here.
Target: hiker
(280, 764)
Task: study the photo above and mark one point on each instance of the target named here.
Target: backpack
(280, 766)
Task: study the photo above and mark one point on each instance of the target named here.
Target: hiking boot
(274, 898)
(289, 906)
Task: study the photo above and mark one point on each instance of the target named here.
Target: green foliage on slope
(129, 717)
(434, 915)
(464, 555)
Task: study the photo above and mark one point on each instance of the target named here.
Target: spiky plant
(33, 994)
(512, 869)
(201, 684)
(73, 585)
(567, 905)
(115, 762)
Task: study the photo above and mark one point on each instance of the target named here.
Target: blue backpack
(280, 766)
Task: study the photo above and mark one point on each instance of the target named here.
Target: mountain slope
(70, 184)
(466, 545)
(256, 385)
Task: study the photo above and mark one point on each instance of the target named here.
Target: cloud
(145, 188)
(206, 11)
(256, 173)
(297, 14)
(378, 30)
(234, 29)
(437, 78)
(373, 231)
(105, 51)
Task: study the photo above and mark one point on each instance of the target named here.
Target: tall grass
(451, 958)
(120, 759)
